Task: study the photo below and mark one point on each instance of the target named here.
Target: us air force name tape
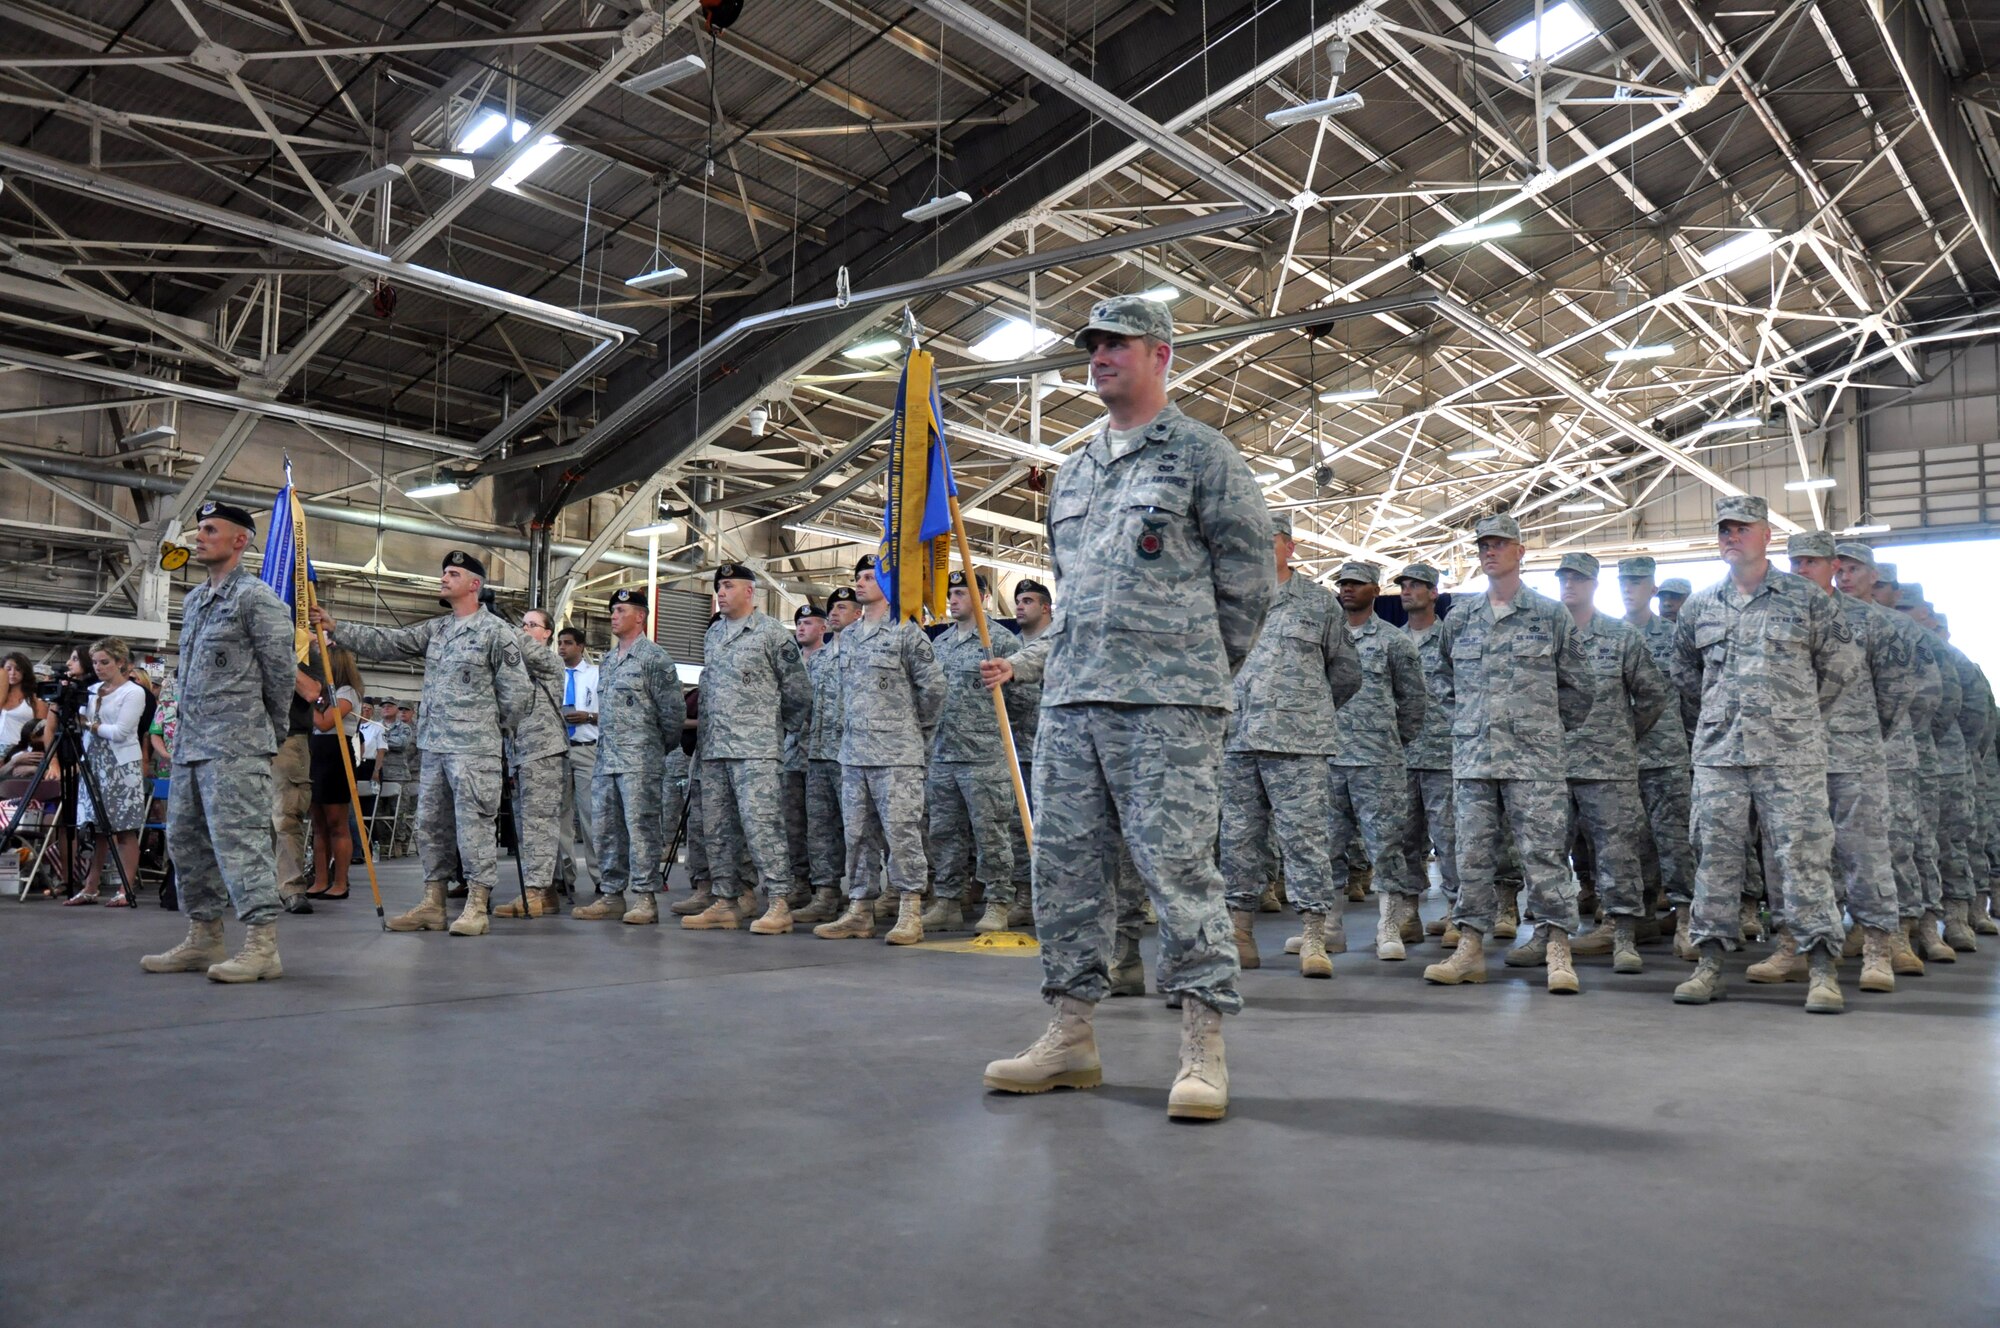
(230, 512)
(465, 562)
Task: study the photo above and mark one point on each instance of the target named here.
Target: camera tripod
(68, 749)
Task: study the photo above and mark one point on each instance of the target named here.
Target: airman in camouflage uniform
(538, 754)
(1161, 542)
(1960, 730)
(1033, 605)
(809, 631)
(1768, 655)
(970, 788)
(236, 678)
(891, 692)
(1274, 783)
(754, 691)
(1518, 680)
(476, 691)
(1369, 786)
(1430, 827)
(826, 841)
(640, 710)
(1666, 859)
(1930, 716)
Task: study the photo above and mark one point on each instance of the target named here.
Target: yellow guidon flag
(916, 522)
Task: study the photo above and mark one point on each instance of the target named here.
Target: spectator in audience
(333, 845)
(21, 715)
(166, 715)
(113, 723)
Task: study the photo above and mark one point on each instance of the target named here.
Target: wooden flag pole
(999, 701)
(346, 757)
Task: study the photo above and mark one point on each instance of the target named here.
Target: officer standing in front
(237, 673)
(476, 691)
(1162, 544)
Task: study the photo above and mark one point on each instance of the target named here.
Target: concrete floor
(569, 1123)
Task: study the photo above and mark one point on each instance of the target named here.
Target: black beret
(227, 512)
(636, 598)
(733, 572)
(460, 558)
(843, 595)
(1032, 588)
(957, 579)
(805, 611)
(865, 565)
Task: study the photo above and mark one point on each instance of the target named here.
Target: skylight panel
(1012, 340)
(1563, 29)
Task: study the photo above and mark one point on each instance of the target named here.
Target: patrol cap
(1741, 507)
(842, 595)
(1281, 523)
(1128, 316)
(1032, 588)
(636, 599)
(733, 572)
(461, 559)
(391, 701)
(1885, 574)
(1422, 572)
(956, 581)
(1356, 570)
(1675, 585)
(1910, 595)
(1857, 551)
(1810, 544)
(1582, 564)
(1638, 568)
(1498, 524)
(805, 611)
(213, 510)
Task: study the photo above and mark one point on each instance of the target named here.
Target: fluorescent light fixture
(671, 72)
(1563, 28)
(1738, 250)
(1164, 294)
(486, 126)
(1725, 426)
(1810, 483)
(938, 206)
(1594, 505)
(1013, 339)
(664, 529)
(459, 166)
(374, 179)
(1873, 529)
(483, 128)
(1658, 350)
(159, 433)
(875, 348)
(1314, 110)
(435, 489)
(1486, 230)
(1368, 393)
(659, 276)
(1473, 454)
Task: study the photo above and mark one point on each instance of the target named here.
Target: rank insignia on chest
(1151, 542)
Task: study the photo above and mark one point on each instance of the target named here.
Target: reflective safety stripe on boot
(1128, 970)
(1201, 1089)
(472, 920)
(256, 961)
(427, 916)
(1706, 985)
(645, 910)
(856, 924)
(200, 950)
(1467, 963)
(1785, 964)
(777, 919)
(992, 920)
(1064, 1056)
(1246, 938)
(1389, 927)
(1562, 974)
(1823, 984)
(909, 928)
(1313, 961)
(1878, 972)
(1625, 957)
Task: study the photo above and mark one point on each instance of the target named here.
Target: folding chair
(155, 866)
(38, 818)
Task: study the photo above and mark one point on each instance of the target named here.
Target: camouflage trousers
(1151, 777)
(826, 842)
(1864, 873)
(741, 811)
(1957, 829)
(792, 792)
(219, 837)
(1906, 828)
(1534, 812)
(538, 803)
(1989, 816)
(1929, 877)
(291, 808)
(573, 840)
(1606, 812)
(458, 806)
(1666, 859)
(882, 807)
(1797, 839)
(1267, 796)
(1017, 840)
(625, 826)
(971, 812)
(1431, 827)
(1375, 799)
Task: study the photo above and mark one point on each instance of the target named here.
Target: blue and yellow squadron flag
(916, 522)
(287, 569)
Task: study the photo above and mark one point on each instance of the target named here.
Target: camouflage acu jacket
(476, 687)
(754, 689)
(1765, 667)
(1517, 680)
(1300, 671)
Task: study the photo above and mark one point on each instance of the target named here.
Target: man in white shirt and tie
(579, 701)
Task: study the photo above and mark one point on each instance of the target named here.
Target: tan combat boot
(1148, 915)
(944, 915)
(1878, 971)
(198, 952)
(722, 915)
(1246, 938)
(471, 921)
(1785, 963)
(1409, 910)
(1389, 927)
(1436, 926)
(644, 911)
(1854, 942)
(256, 961)
(909, 928)
(856, 924)
(698, 902)
(1507, 922)
(825, 907)
(886, 904)
(1958, 926)
(605, 908)
(1903, 961)
(1359, 879)
(1334, 934)
(1982, 915)
(1823, 984)
(1128, 970)
(1750, 917)
(992, 920)
(1683, 943)
(1313, 962)
(745, 905)
(1064, 1056)
(1467, 963)
(1201, 1089)
(1596, 941)
(1706, 985)
(1531, 953)
(427, 916)
(1562, 973)
(1268, 901)
(777, 919)
(1021, 915)
(1929, 944)
(542, 903)
(1449, 940)
(1625, 956)
(801, 895)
